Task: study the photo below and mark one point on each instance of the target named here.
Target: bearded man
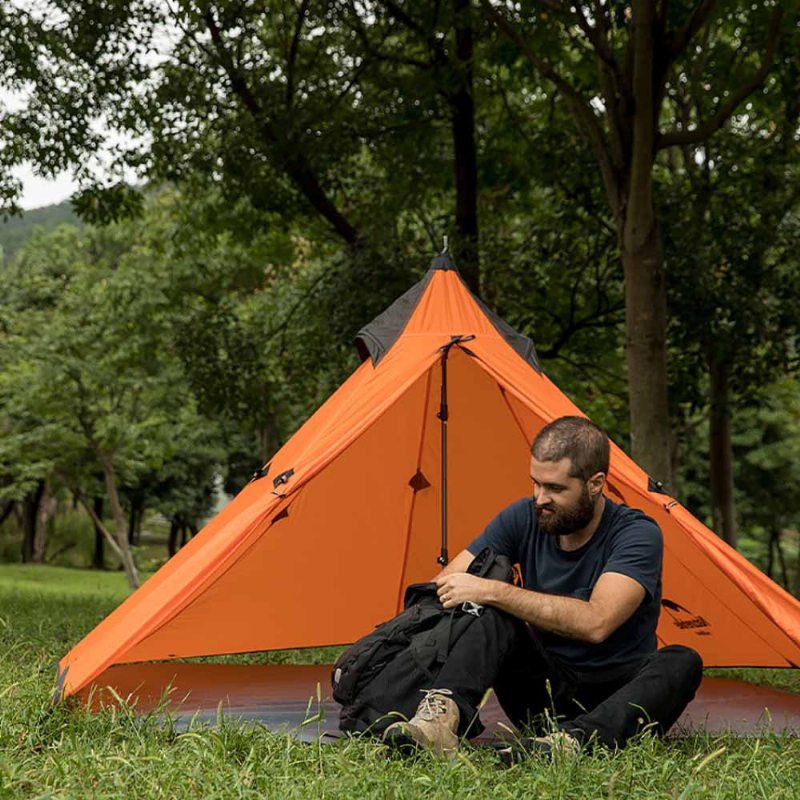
(572, 656)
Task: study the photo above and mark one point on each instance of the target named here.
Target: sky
(37, 192)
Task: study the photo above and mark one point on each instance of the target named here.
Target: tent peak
(444, 262)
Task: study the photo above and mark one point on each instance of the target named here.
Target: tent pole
(443, 416)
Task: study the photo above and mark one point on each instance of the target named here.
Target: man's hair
(578, 439)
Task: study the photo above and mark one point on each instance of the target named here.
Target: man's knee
(682, 662)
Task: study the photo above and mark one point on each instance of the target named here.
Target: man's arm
(458, 564)
(614, 598)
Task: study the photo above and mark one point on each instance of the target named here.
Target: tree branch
(681, 37)
(293, 162)
(579, 106)
(704, 130)
(99, 524)
(291, 56)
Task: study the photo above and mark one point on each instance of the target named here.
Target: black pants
(604, 706)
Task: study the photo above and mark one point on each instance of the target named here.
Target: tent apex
(444, 261)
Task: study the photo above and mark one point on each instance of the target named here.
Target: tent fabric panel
(157, 600)
(522, 345)
(376, 339)
(487, 465)
(340, 421)
(748, 612)
(379, 388)
(447, 308)
(295, 586)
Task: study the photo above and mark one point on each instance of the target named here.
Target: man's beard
(564, 521)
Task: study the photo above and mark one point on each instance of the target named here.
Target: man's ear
(596, 483)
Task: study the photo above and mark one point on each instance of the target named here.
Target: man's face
(564, 504)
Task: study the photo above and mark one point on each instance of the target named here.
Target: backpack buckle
(468, 607)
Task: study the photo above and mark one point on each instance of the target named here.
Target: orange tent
(317, 549)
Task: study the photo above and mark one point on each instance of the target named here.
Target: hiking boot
(558, 742)
(433, 726)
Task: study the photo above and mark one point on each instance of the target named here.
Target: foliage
(55, 58)
(91, 386)
(766, 438)
(14, 232)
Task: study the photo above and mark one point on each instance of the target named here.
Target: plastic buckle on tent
(259, 473)
(279, 480)
(668, 506)
(476, 609)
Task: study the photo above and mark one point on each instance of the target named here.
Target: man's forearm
(614, 598)
(566, 616)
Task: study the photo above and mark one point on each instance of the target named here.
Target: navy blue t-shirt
(627, 541)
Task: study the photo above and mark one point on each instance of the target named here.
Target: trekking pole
(444, 415)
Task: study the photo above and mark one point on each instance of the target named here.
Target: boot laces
(433, 704)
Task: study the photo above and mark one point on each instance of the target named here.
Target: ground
(45, 610)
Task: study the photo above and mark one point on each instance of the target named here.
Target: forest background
(619, 181)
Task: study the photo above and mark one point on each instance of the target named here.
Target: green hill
(16, 231)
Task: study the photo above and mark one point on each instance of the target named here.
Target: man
(574, 651)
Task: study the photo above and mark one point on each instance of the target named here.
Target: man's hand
(459, 587)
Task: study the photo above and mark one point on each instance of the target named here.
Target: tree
(90, 381)
(54, 61)
(614, 65)
(735, 277)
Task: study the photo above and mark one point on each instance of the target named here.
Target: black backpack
(385, 670)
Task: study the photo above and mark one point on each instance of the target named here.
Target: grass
(44, 610)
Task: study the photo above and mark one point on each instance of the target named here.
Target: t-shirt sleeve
(638, 552)
(505, 533)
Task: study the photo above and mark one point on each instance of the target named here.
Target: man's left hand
(459, 587)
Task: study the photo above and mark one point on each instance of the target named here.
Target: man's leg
(531, 687)
(657, 694)
(449, 708)
(475, 661)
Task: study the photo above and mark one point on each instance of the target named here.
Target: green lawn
(44, 610)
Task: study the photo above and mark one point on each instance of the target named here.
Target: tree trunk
(643, 265)
(646, 354)
(781, 559)
(135, 520)
(268, 436)
(462, 108)
(172, 542)
(6, 510)
(797, 576)
(723, 507)
(99, 556)
(771, 554)
(30, 514)
(118, 515)
(47, 507)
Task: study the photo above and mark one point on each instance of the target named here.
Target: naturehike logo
(684, 619)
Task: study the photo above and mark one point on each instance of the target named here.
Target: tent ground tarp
(287, 698)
